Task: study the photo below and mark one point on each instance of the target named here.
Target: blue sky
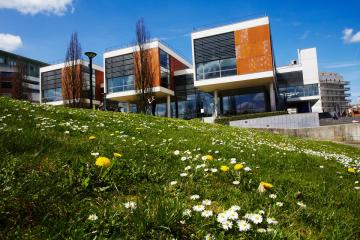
(42, 30)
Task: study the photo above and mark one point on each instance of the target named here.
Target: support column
(168, 106)
(272, 97)
(215, 103)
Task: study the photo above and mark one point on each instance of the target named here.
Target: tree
(144, 70)
(72, 80)
(18, 81)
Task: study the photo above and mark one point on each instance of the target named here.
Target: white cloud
(342, 65)
(350, 37)
(9, 42)
(57, 7)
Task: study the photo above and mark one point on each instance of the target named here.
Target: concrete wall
(339, 133)
(289, 121)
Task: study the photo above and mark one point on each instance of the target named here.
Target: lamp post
(91, 55)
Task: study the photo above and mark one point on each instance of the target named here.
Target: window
(215, 69)
(52, 95)
(120, 84)
(164, 60)
(2, 60)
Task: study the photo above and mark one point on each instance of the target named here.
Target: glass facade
(119, 72)
(216, 69)
(120, 84)
(52, 95)
(164, 69)
(299, 91)
(243, 103)
(51, 86)
(215, 56)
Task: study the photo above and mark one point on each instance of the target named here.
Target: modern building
(120, 76)
(233, 72)
(19, 76)
(299, 84)
(52, 83)
(334, 92)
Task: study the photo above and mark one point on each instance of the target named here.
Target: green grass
(50, 185)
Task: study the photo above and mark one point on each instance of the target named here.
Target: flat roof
(22, 57)
(62, 65)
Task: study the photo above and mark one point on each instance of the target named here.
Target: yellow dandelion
(102, 162)
(209, 157)
(92, 138)
(224, 168)
(117, 155)
(351, 170)
(238, 166)
(266, 185)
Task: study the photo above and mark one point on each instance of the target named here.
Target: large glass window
(299, 91)
(120, 84)
(215, 69)
(164, 59)
(51, 95)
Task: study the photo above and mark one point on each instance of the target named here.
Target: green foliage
(226, 120)
(51, 187)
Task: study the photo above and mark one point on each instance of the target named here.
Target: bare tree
(18, 81)
(144, 69)
(72, 80)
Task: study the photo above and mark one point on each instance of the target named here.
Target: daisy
(236, 182)
(130, 205)
(183, 174)
(247, 169)
(176, 152)
(272, 196)
(279, 204)
(244, 226)
(206, 202)
(187, 212)
(194, 197)
(232, 215)
(173, 183)
(199, 208)
(301, 204)
(227, 225)
(256, 218)
(221, 218)
(271, 221)
(235, 208)
(92, 217)
(207, 213)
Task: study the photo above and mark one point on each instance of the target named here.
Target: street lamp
(91, 55)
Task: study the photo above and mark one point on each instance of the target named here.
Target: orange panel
(253, 50)
(155, 64)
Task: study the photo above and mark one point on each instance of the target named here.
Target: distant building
(19, 76)
(52, 83)
(334, 92)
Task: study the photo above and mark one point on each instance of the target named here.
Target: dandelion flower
(224, 168)
(263, 186)
(198, 208)
(102, 162)
(117, 155)
(351, 170)
(238, 167)
(92, 138)
(92, 217)
(209, 157)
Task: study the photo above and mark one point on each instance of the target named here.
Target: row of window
(52, 95)
(120, 84)
(216, 69)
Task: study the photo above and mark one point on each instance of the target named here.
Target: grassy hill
(81, 174)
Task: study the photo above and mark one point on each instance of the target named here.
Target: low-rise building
(19, 76)
(52, 84)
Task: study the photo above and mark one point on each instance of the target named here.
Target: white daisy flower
(301, 204)
(183, 158)
(130, 205)
(183, 174)
(207, 213)
(194, 197)
(244, 226)
(221, 218)
(272, 196)
(256, 218)
(271, 221)
(232, 215)
(235, 208)
(206, 202)
(198, 208)
(227, 225)
(236, 182)
(173, 183)
(176, 152)
(187, 212)
(214, 170)
(247, 169)
(279, 204)
(92, 217)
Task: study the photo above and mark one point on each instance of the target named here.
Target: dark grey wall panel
(119, 66)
